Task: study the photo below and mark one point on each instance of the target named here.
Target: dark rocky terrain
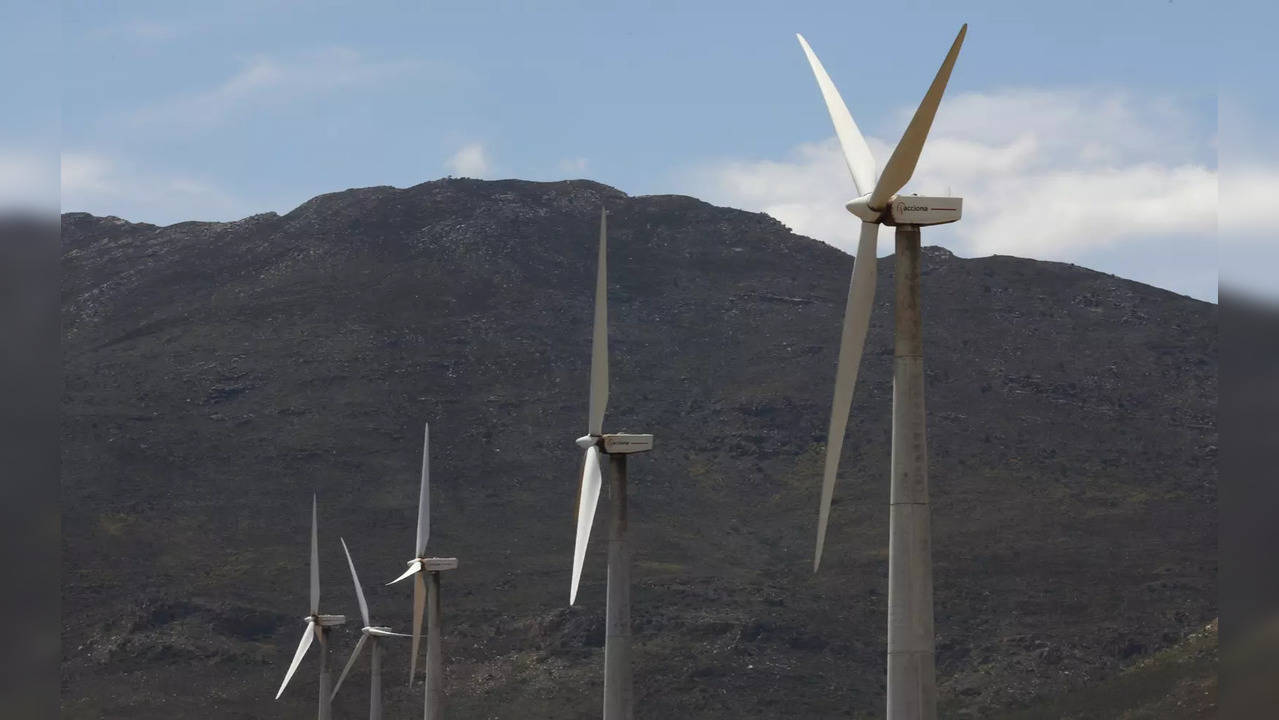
(218, 373)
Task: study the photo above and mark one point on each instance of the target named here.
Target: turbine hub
(587, 441)
(862, 209)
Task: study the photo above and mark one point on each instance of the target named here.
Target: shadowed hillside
(219, 373)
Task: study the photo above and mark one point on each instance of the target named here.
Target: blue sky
(1082, 131)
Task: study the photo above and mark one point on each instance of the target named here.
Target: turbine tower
(912, 689)
(317, 627)
(371, 634)
(431, 567)
(618, 695)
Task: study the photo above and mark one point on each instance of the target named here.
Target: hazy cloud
(1247, 194)
(1249, 244)
(146, 30)
(103, 185)
(574, 167)
(267, 81)
(28, 180)
(470, 161)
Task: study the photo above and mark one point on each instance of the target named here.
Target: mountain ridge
(607, 190)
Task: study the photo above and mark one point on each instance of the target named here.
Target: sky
(1084, 132)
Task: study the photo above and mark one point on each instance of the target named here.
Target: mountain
(218, 373)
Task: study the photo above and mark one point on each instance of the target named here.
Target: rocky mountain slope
(219, 373)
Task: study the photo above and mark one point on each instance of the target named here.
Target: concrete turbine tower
(912, 690)
(372, 635)
(317, 627)
(431, 567)
(618, 695)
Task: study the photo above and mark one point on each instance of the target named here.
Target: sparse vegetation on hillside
(218, 373)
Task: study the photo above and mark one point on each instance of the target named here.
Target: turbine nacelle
(908, 210)
(626, 443)
(426, 564)
(617, 443)
(325, 620)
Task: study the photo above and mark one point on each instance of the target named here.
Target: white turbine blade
(315, 561)
(856, 153)
(415, 566)
(307, 637)
(861, 297)
(354, 655)
(424, 496)
(359, 591)
(590, 496)
(599, 339)
(419, 607)
(901, 165)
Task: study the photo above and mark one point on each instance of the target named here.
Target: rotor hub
(862, 209)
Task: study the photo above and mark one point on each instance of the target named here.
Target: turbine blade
(856, 153)
(354, 655)
(599, 339)
(419, 606)
(861, 297)
(307, 637)
(424, 496)
(359, 591)
(415, 566)
(315, 561)
(591, 482)
(901, 165)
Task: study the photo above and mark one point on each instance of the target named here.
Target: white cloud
(1250, 173)
(1048, 174)
(1249, 152)
(805, 191)
(470, 161)
(27, 181)
(104, 185)
(268, 81)
(1249, 243)
(1058, 213)
(1248, 194)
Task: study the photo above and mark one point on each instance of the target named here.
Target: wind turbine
(912, 690)
(431, 567)
(618, 695)
(372, 634)
(317, 626)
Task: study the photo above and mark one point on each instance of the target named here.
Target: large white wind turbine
(912, 691)
(618, 696)
(317, 627)
(372, 635)
(431, 567)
